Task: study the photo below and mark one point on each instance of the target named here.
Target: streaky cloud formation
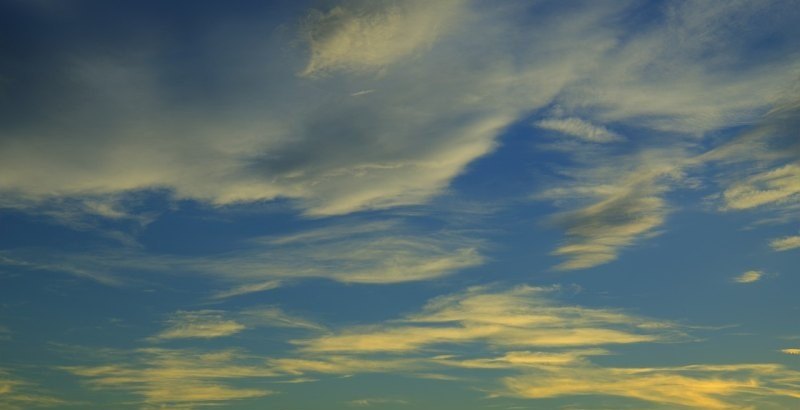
(169, 377)
(786, 243)
(377, 253)
(203, 324)
(579, 128)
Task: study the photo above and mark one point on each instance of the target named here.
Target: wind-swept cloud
(775, 186)
(359, 35)
(791, 351)
(786, 243)
(521, 317)
(579, 128)
(695, 386)
(349, 252)
(749, 276)
(198, 324)
(209, 324)
(19, 394)
(625, 205)
(164, 377)
(373, 401)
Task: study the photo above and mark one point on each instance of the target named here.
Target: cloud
(579, 128)
(521, 317)
(367, 36)
(779, 185)
(346, 251)
(168, 377)
(749, 276)
(625, 204)
(18, 394)
(696, 386)
(786, 243)
(275, 317)
(791, 351)
(198, 324)
(370, 402)
(249, 288)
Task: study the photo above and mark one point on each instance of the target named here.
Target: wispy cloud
(522, 317)
(165, 377)
(625, 205)
(696, 386)
(786, 243)
(774, 186)
(19, 394)
(201, 324)
(577, 127)
(348, 252)
(749, 276)
(371, 402)
(369, 36)
(248, 288)
(791, 351)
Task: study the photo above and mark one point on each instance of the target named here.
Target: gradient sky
(399, 204)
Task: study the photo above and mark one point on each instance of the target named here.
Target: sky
(399, 204)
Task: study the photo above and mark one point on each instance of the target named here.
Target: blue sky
(399, 204)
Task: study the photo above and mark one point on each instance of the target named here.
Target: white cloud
(370, 35)
(579, 128)
(749, 276)
(786, 243)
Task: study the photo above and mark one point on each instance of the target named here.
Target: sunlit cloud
(786, 243)
(19, 394)
(165, 377)
(522, 317)
(351, 253)
(372, 402)
(202, 324)
(696, 386)
(361, 36)
(749, 276)
(791, 351)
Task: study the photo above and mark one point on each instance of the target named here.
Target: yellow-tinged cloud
(165, 377)
(19, 394)
(698, 386)
(521, 317)
(749, 276)
(786, 243)
(202, 324)
(791, 351)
